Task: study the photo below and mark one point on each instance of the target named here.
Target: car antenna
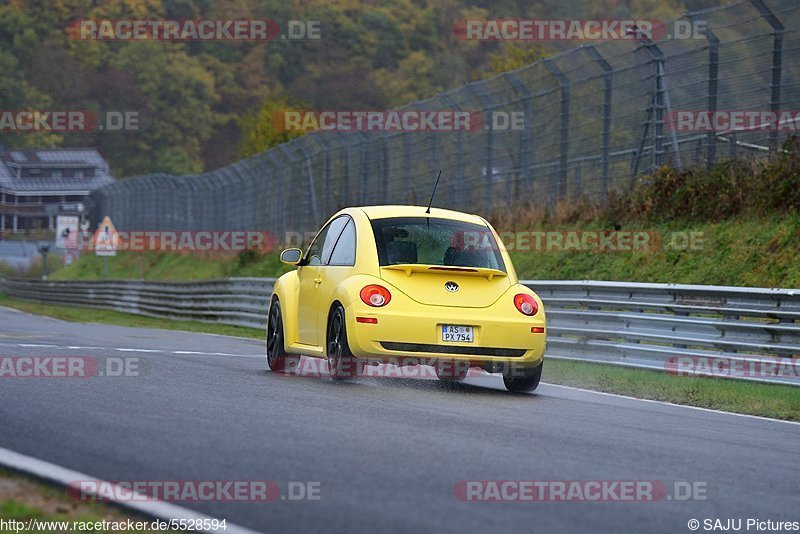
(428, 211)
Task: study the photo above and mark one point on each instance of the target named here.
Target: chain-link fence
(595, 117)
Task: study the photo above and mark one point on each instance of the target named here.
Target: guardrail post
(777, 62)
(564, 149)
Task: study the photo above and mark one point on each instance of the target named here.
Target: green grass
(23, 498)
(174, 266)
(753, 398)
(737, 252)
(767, 400)
(740, 252)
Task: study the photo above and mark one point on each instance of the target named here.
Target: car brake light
(375, 296)
(525, 304)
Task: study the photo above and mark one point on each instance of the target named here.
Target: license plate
(457, 333)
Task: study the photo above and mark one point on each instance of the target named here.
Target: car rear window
(435, 241)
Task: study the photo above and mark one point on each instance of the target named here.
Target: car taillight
(525, 304)
(376, 296)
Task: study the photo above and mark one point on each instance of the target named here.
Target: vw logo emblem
(452, 287)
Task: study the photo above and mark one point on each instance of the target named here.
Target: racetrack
(387, 452)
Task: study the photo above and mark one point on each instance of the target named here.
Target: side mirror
(291, 256)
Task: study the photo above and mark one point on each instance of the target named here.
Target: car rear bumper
(499, 336)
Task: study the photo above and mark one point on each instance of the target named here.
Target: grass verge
(739, 396)
(92, 315)
(766, 400)
(24, 499)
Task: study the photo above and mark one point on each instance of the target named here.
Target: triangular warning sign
(105, 239)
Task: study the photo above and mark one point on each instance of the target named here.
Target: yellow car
(407, 285)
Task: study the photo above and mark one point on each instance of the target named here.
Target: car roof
(383, 212)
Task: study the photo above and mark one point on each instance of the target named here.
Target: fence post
(326, 173)
(564, 151)
(489, 165)
(362, 195)
(777, 63)
(385, 162)
(310, 181)
(458, 179)
(713, 91)
(277, 222)
(526, 135)
(433, 168)
(658, 101)
(345, 147)
(608, 79)
(407, 165)
(289, 190)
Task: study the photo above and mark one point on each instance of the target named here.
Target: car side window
(320, 249)
(344, 253)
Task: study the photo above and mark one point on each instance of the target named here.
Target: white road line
(193, 353)
(128, 349)
(63, 476)
(664, 403)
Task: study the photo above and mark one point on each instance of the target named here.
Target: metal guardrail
(234, 301)
(667, 327)
(676, 327)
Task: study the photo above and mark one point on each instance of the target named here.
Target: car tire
(447, 371)
(341, 362)
(277, 357)
(522, 379)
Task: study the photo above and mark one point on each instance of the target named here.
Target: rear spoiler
(410, 268)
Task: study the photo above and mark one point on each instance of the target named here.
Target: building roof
(55, 158)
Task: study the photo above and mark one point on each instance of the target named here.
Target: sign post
(105, 242)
